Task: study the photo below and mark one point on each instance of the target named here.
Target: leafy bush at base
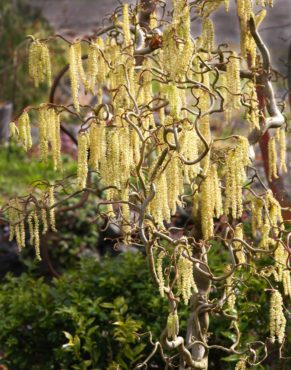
(87, 319)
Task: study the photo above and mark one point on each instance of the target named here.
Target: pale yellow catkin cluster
(33, 224)
(277, 318)
(24, 133)
(248, 46)
(97, 139)
(160, 275)
(39, 65)
(272, 159)
(169, 186)
(207, 36)
(233, 81)
(16, 223)
(126, 26)
(282, 274)
(257, 206)
(96, 68)
(210, 201)
(74, 75)
(177, 42)
(173, 325)
(253, 113)
(241, 364)
(51, 203)
(82, 170)
(43, 214)
(235, 177)
(36, 240)
(50, 133)
(185, 281)
(189, 150)
(239, 252)
(229, 290)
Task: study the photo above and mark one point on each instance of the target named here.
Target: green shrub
(87, 319)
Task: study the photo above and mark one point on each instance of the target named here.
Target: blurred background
(82, 305)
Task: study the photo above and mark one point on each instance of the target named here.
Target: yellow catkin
(216, 192)
(241, 364)
(277, 318)
(185, 281)
(253, 113)
(43, 121)
(229, 291)
(160, 274)
(82, 170)
(239, 252)
(93, 54)
(159, 206)
(257, 217)
(39, 65)
(173, 325)
(207, 206)
(189, 150)
(233, 81)
(177, 42)
(24, 131)
(282, 145)
(174, 182)
(236, 162)
(54, 136)
(126, 25)
(36, 239)
(286, 279)
(43, 215)
(93, 140)
(272, 159)
(51, 202)
(16, 223)
(74, 75)
(207, 37)
(30, 227)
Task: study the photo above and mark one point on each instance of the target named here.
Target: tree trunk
(5, 118)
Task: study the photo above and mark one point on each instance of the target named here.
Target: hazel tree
(148, 150)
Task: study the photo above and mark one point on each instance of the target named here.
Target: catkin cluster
(39, 65)
(169, 186)
(229, 290)
(210, 201)
(160, 274)
(239, 252)
(173, 325)
(277, 318)
(236, 162)
(185, 281)
(241, 364)
(233, 82)
(24, 133)
(49, 134)
(33, 225)
(16, 223)
(82, 170)
(177, 43)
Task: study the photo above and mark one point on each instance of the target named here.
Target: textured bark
(5, 118)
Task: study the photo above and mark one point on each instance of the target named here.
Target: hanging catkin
(24, 131)
(82, 171)
(39, 65)
(74, 76)
(277, 318)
